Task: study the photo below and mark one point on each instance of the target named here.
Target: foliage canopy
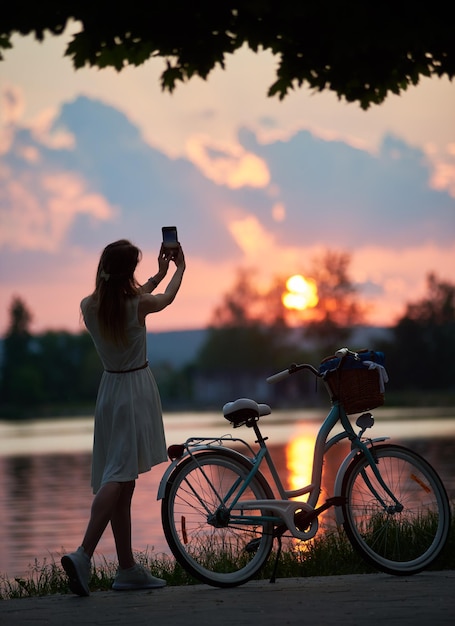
(361, 51)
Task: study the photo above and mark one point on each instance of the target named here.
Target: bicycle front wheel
(398, 539)
(219, 546)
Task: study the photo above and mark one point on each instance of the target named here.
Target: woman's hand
(164, 258)
(179, 258)
(162, 300)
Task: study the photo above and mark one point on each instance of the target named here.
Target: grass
(328, 554)
(48, 578)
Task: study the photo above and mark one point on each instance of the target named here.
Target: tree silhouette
(242, 335)
(339, 308)
(20, 379)
(250, 327)
(421, 355)
(50, 371)
(362, 51)
(20, 319)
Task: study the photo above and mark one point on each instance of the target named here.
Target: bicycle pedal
(252, 546)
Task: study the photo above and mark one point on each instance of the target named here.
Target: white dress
(129, 435)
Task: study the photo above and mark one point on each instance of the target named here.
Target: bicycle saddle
(244, 411)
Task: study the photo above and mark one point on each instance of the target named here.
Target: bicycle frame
(283, 510)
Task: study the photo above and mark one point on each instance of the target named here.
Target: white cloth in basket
(383, 376)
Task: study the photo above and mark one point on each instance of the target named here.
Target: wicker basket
(357, 389)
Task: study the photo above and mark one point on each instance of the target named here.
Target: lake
(45, 493)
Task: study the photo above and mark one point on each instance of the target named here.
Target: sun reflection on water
(299, 461)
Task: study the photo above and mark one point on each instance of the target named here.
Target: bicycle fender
(165, 476)
(194, 452)
(340, 476)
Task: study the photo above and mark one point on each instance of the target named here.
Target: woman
(129, 435)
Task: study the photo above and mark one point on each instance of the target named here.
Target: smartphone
(170, 239)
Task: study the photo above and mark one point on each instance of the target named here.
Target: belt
(135, 369)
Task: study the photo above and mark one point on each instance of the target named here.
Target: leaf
(170, 76)
(280, 87)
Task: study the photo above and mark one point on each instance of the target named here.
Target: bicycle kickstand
(277, 558)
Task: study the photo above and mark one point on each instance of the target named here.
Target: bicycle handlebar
(275, 378)
(342, 353)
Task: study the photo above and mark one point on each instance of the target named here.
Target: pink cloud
(230, 164)
(13, 104)
(43, 132)
(38, 210)
(11, 109)
(443, 165)
(401, 276)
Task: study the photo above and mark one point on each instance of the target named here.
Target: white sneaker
(78, 569)
(136, 577)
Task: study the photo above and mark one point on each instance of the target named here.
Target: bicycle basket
(353, 383)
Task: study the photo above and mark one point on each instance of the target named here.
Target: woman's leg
(103, 506)
(121, 526)
(77, 565)
(129, 575)
(111, 503)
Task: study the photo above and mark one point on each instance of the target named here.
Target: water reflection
(45, 499)
(42, 498)
(299, 461)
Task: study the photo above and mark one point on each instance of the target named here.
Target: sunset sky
(91, 156)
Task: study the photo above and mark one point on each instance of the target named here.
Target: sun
(301, 294)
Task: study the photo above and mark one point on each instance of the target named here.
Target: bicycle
(220, 515)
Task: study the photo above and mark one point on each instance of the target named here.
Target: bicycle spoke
(400, 539)
(201, 533)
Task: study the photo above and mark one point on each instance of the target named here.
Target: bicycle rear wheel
(201, 533)
(399, 542)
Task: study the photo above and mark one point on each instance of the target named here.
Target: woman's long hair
(115, 284)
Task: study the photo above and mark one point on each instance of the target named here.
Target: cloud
(227, 165)
(251, 237)
(11, 109)
(44, 130)
(443, 162)
(341, 195)
(399, 275)
(84, 175)
(305, 189)
(38, 209)
(13, 104)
